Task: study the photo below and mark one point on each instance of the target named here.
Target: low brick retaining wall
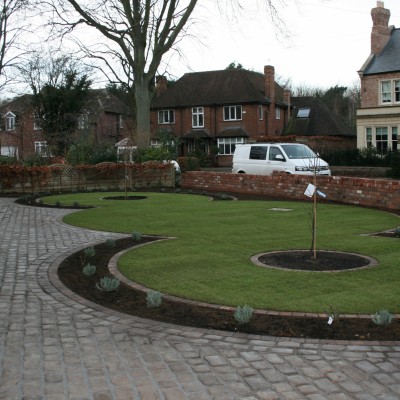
(382, 193)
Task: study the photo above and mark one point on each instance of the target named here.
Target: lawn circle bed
(131, 300)
(304, 260)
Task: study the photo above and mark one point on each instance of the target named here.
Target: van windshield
(297, 151)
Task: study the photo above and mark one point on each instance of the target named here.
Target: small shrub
(243, 314)
(110, 243)
(332, 314)
(76, 204)
(153, 299)
(382, 318)
(136, 236)
(89, 269)
(40, 202)
(396, 231)
(58, 203)
(107, 284)
(88, 252)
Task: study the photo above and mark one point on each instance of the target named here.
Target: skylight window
(303, 113)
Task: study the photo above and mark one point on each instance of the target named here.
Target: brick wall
(380, 193)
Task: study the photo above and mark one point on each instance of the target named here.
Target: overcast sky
(329, 40)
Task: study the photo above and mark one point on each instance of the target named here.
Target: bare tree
(11, 28)
(138, 33)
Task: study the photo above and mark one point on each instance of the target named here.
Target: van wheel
(241, 172)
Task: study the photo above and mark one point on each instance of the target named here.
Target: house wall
(349, 190)
(370, 89)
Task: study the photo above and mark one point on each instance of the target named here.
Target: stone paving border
(56, 347)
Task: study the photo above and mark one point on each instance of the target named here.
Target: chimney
(161, 84)
(380, 34)
(269, 73)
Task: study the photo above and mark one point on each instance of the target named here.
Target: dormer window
(303, 113)
(10, 121)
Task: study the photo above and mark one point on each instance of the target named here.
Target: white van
(265, 158)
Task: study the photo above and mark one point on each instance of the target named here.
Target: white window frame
(228, 144)
(233, 113)
(166, 116)
(383, 138)
(10, 121)
(198, 117)
(83, 121)
(260, 112)
(41, 148)
(389, 91)
(277, 113)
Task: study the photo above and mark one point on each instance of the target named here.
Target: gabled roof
(389, 58)
(18, 105)
(102, 100)
(224, 87)
(321, 120)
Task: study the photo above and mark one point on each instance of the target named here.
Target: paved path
(54, 346)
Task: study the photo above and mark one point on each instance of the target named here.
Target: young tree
(138, 33)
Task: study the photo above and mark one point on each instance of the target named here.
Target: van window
(273, 152)
(258, 152)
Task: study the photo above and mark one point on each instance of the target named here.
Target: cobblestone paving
(54, 345)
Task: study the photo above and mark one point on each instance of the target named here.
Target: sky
(328, 41)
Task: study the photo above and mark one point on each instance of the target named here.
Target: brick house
(104, 119)
(20, 133)
(210, 112)
(313, 123)
(378, 118)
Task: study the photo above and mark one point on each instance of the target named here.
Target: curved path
(56, 346)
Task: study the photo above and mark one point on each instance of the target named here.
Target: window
(390, 91)
(277, 113)
(166, 116)
(226, 146)
(36, 122)
(41, 149)
(394, 137)
(260, 112)
(368, 132)
(10, 121)
(303, 113)
(232, 113)
(83, 121)
(273, 152)
(258, 152)
(386, 93)
(198, 117)
(397, 91)
(381, 138)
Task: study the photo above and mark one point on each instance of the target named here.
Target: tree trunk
(142, 125)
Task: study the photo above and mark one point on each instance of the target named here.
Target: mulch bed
(130, 301)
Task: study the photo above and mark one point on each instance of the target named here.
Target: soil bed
(131, 301)
(304, 260)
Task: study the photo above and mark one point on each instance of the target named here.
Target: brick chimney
(161, 84)
(269, 77)
(380, 30)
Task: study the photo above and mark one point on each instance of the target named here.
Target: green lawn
(209, 259)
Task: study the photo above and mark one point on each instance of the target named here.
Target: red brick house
(378, 118)
(104, 119)
(210, 112)
(20, 133)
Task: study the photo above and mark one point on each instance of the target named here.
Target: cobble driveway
(54, 345)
